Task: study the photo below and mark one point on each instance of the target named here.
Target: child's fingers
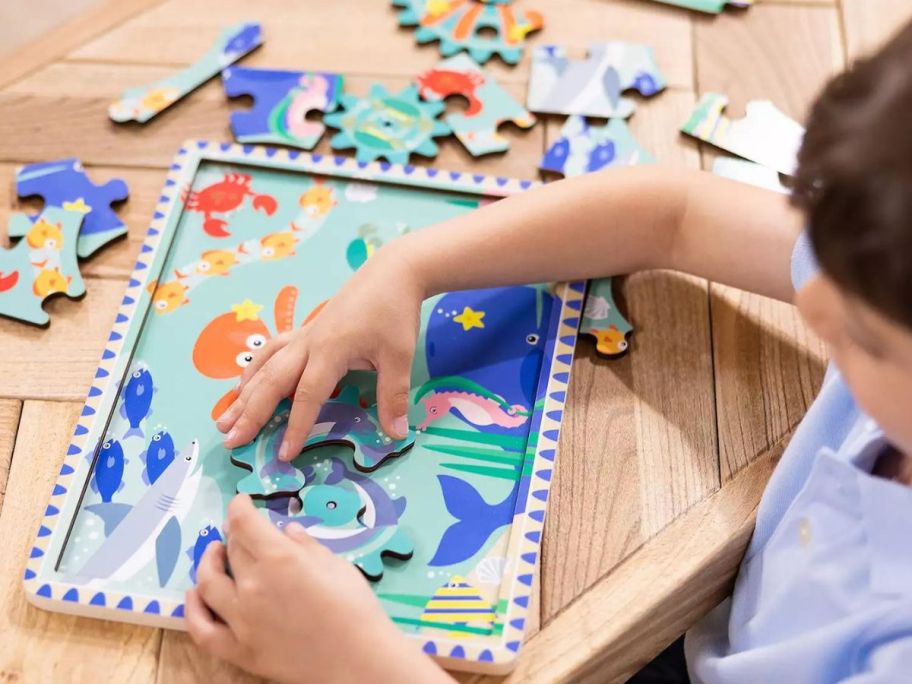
(393, 378)
(317, 383)
(298, 534)
(252, 535)
(262, 356)
(259, 398)
(213, 584)
(206, 632)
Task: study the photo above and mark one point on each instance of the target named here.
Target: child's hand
(294, 612)
(372, 323)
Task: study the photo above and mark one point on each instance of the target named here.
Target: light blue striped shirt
(824, 593)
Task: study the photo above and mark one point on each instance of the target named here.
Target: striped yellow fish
(459, 602)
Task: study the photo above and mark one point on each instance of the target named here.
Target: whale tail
(111, 514)
(476, 520)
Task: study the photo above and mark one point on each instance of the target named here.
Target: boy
(825, 590)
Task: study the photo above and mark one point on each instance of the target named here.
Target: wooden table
(664, 454)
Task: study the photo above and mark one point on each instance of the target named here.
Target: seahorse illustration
(475, 404)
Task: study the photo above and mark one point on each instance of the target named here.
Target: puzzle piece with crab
(765, 135)
(489, 105)
(41, 265)
(144, 102)
(464, 24)
(281, 102)
(593, 86)
(64, 183)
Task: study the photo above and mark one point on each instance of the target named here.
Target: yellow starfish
(470, 319)
(246, 311)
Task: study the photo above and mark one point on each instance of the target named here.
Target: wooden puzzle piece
(749, 172)
(281, 101)
(489, 104)
(603, 321)
(40, 265)
(592, 86)
(459, 24)
(765, 135)
(709, 6)
(390, 126)
(64, 183)
(144, 102)
(342, 420)
(350, 514)
(582, 148)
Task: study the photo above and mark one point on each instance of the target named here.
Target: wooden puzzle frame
(48, 589)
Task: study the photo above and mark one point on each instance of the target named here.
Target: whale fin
(399, 506)
(167, 550)
(476, 521)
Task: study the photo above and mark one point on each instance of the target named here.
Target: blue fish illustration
(150, 529)
(495, 338)
(556, 156)
(206, 536)
(137, 401)
(601, 156)
(109, 470)
(242, 42)
(158, 456)
(476, 520)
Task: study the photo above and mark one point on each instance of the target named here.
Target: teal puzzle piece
(342, 420)
(489, 104)
(40, 265)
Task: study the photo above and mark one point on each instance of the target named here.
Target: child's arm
(607, 223)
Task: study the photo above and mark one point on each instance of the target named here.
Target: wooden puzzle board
(249, 241)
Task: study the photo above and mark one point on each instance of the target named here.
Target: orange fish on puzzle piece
(214, 262)
(317, 201)
(168, 296)
(50, 281)
(610, 341)
(278, 245)
(44, 235)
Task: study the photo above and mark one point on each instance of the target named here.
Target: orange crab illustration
(223, 197)
(441, 83)
(227, 344)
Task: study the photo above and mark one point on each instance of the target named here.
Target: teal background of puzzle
(340, 223)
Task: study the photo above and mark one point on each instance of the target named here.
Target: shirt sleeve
(804, 263)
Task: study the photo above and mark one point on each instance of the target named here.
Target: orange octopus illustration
(227, 344)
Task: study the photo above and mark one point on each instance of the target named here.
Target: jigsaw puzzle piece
(749, 172)
(348, 513)
(593, 86)
(144, 102)
(281, 102)
(42, 264)
(64, 183)
(385, 125)
(458, 24)
(582, 148)
(489, 104)
(765, 135)
(603, 321)
(709, 6)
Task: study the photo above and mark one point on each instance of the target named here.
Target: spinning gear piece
(456, 24)
(390, 126)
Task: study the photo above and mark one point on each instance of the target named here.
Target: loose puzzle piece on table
(749, 172)
(348, 513)
(489, 104)
(281, 101)
(342, 420)
(457, 25)
(603, 321)
(385, 125)
(592, 86)
(582, 148)
(765, 135)
(64, 184)
(144, 102)
(40, 265)
(711, 6)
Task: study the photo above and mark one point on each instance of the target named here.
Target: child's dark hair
(854, 179)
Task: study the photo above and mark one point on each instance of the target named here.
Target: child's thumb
(393, 378)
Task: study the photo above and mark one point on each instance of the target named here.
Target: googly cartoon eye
(161, 304)
(243, 359)
(331, 505)
(203, 266)
(106, 445)
(137, 374)
(268, 252)
(255, 341)
(622, 345)
(156, 437)
(532, 338)
(357, 419)
(204, 532)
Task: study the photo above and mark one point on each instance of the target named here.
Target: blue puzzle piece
(64, 184)
(42, 264)
(582, 148)
(281, 101)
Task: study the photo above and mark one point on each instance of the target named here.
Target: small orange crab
(223, 197)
